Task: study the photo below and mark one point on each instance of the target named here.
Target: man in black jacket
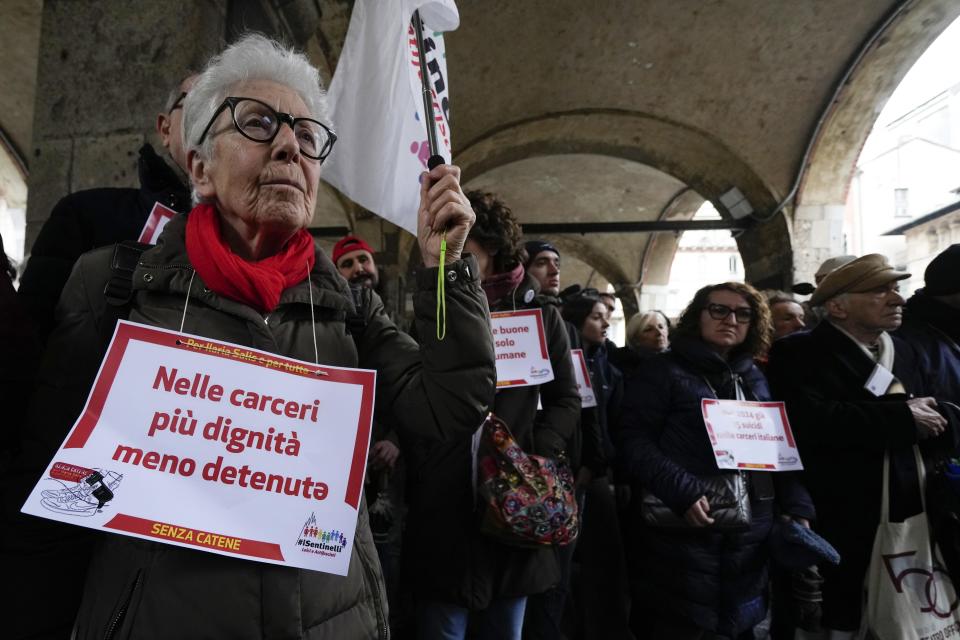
(931, 323)
(93, 218)
(849, 390)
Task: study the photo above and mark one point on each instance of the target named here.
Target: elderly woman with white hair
(242, 268)
(648, 333)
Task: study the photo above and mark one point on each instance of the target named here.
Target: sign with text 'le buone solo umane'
(520, 346)
(216, 447)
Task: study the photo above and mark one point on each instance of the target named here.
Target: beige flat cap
(833, 263)
(860, 275)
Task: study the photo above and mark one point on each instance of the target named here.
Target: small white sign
(159, 216)
(520, 345)
(750, 435)
(216, 447)
(879, 380)
(587, 396)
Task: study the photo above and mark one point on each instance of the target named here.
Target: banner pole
(431, 124)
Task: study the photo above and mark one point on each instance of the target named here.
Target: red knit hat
(347, 244)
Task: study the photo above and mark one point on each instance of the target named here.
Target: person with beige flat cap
(853, 392)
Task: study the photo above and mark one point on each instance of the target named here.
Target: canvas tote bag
(909, 595)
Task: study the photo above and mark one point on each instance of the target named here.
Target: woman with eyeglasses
(692, 576)
(242, 267)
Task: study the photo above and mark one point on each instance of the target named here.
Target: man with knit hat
(354, 260)
(543, 263)
(849, 389)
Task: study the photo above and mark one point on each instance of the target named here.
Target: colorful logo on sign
(80, 491)
(319, 541)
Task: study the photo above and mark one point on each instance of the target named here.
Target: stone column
(817, 235)
(104, 71)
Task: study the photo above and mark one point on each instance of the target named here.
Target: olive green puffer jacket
(139, 589)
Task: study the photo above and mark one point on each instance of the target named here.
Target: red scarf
(257, 284)
(500, 284)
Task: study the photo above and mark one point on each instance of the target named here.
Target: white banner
(520, 346)
(750, 435)
(216, 447)
(376, 105)
(587, 396)
(159, 216)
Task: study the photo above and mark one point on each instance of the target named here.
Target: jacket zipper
(375, 590)
(121, 614)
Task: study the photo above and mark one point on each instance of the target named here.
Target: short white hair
(252, 57)
(639, 323)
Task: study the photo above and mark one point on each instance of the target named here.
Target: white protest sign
(587, 397)
(750, 435)
(216, 447)
(376, 102)
(520, 345)
(879, 380)
(159, 216)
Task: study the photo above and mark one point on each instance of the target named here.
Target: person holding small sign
(699, 557)
(850, 388)
(241, 268)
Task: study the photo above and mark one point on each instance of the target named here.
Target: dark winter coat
(842, 431)
(714, 580)
(86, 220)
(438, 390)
(19, 360)
(607, 383)
(933, 329)
(446, 556)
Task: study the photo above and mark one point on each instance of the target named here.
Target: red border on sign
(128, 331)
(154, 220)
(144, 527)
(703, 408)
(776, 404)
(583, 367)
(528, 312)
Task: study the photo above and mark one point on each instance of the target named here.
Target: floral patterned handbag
(528, 500)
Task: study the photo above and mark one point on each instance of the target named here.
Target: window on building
(901, 207)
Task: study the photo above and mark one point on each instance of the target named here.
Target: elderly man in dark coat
(850, 394)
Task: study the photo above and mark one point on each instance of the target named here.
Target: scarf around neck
(256, 284)
(500, 284)
(883, 355)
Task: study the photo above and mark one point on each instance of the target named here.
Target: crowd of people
(669, 545)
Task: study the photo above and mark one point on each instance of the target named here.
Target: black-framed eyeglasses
(260, 122)
(178, 103)
(743, 315)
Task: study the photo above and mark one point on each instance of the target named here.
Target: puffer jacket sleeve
(646, 407)
(559, 419)
(34, 549)
(439, 389)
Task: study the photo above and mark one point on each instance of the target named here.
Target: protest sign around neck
(750, 435)
(159, 216)
(214, 446)
(587, 396)
(520, 347)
